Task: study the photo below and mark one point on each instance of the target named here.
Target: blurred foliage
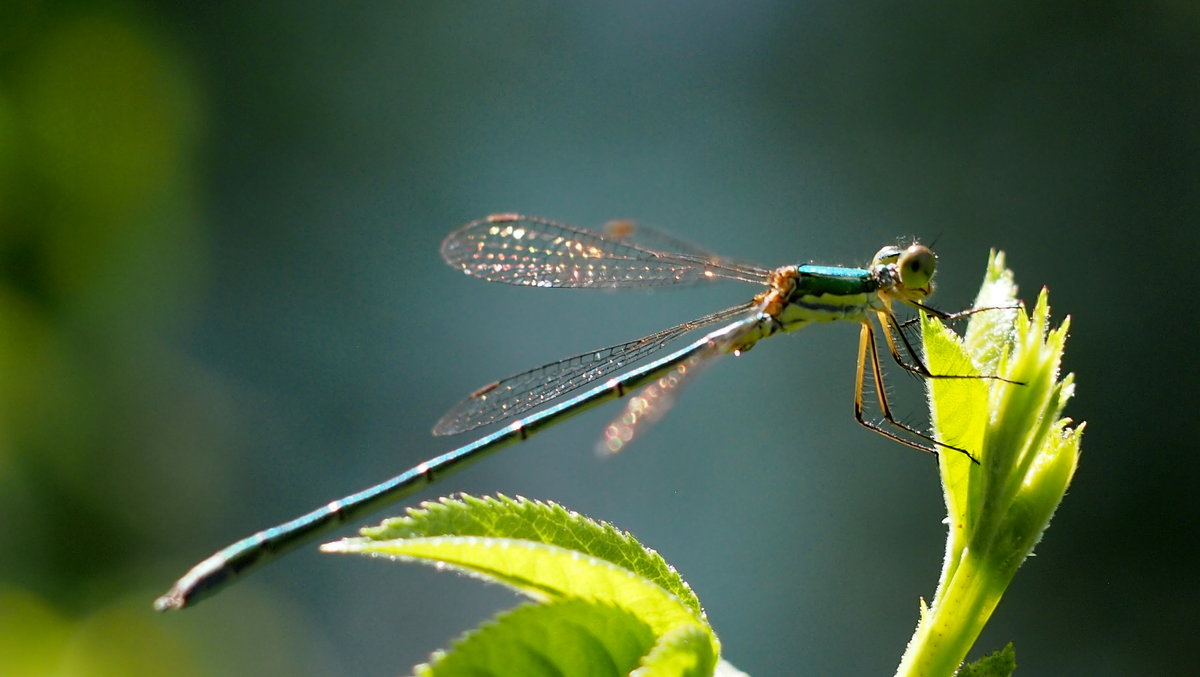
(97, 265)
(102, 254)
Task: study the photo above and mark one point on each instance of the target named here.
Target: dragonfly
(530, 251)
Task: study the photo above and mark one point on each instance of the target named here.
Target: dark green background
(221, 304)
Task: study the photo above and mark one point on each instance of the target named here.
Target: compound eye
(916, 266)
(887, 255)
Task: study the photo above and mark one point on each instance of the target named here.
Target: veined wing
(650, 404)
(526, 250)
(522, 392)
(647, 237)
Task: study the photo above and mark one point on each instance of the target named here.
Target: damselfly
(524, 250)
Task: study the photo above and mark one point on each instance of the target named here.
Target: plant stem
(949, 628)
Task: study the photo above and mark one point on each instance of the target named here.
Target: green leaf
(990, 332)
(684, 651)
(565, 637)
(540, 522)
(604, 596)
(943, 347)
(999, 663)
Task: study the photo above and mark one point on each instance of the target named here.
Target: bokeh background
(221, 304)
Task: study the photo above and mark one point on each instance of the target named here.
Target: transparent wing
(640, 235)
(649, 238)
(518, 394)
(525, 250)
(649, 405)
